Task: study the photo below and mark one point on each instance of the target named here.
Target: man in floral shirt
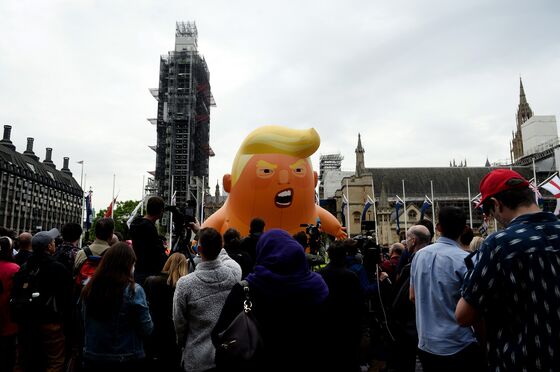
(515, 285)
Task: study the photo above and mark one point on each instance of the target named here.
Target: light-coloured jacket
(197, 304)
(98, 247)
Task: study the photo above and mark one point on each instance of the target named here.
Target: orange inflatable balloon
(272, 178)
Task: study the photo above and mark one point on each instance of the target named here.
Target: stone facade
(34, 195)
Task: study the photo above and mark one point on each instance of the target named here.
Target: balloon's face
(273, 183)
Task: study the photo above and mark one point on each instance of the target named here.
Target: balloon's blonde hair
(273, 139)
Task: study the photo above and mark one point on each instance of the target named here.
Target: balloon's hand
(341, 233)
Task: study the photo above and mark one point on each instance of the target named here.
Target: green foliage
(121, 213)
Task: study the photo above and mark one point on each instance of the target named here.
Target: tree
(121, 213)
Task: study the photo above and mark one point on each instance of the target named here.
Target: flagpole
(83, 203)
(548, 179)
(143, 195)
(171, 216)
(113, 198)
(536, 183)
(433, 208)
(374, 210)
(470, 203)
(404, 208)
(347, 210)
(202, 202)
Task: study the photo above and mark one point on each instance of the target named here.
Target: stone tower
(524, 113)
(360, 165)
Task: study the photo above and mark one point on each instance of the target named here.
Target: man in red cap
(515, 285)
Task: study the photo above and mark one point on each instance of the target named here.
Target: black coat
(148, 247)
(161, 346)
(292, 331)
(345, 309)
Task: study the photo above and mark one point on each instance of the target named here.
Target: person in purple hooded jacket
(289, 304)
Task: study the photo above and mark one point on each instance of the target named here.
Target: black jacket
(293, 332)
(149, 249)
(54, 281)
(345, 309)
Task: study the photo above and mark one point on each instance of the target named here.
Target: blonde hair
(273, 139)
(176, 266)
(476, 243)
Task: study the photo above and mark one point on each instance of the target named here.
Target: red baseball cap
(497, 181)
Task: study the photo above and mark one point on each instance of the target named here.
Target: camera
(370, 250)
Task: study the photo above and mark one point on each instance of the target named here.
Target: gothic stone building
(450, 187)
(34, 195)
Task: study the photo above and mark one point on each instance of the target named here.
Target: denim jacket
(120, 338)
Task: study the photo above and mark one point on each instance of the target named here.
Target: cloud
(423, 82)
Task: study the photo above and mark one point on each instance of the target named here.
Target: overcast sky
(423, 81)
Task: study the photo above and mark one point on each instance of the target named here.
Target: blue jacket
(120, 338)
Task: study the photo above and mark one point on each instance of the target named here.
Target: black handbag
(241, 340)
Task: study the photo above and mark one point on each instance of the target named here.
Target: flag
(536, 191)
(553, 186)
(483, 229)
(133, 214)
(369, 202)
(80, 162)
(427, 204)
(109, 212)
(89, 211)
(344, 205)
(398, 212)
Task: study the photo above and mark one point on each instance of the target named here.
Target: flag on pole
(89, 211)
(343, 208)
(109, 211)
(535, 189)
(427, 204)
(553, 186)
(133, 214)
(80, 162)
(369, 202)
(398, 206)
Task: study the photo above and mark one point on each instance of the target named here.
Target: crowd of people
(459, 303)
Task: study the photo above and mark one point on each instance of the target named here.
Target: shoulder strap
(87, 251)
(247, 304)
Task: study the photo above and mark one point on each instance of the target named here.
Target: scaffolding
(183, 119)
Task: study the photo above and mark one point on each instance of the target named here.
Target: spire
(359, 148)
(522, 98)
(360, 164)
(217, 192)
(524, 111)
(487, 162)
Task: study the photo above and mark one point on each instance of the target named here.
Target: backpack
(26, 303)
(87, 269)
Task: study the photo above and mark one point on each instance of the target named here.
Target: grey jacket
(197, 304)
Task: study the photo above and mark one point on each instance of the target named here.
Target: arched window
(357, 217)
(412, 215)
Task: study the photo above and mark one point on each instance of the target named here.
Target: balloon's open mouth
(284, 198)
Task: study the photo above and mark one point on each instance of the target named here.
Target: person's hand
(195, 226)
(383, 275)
(341, 233)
